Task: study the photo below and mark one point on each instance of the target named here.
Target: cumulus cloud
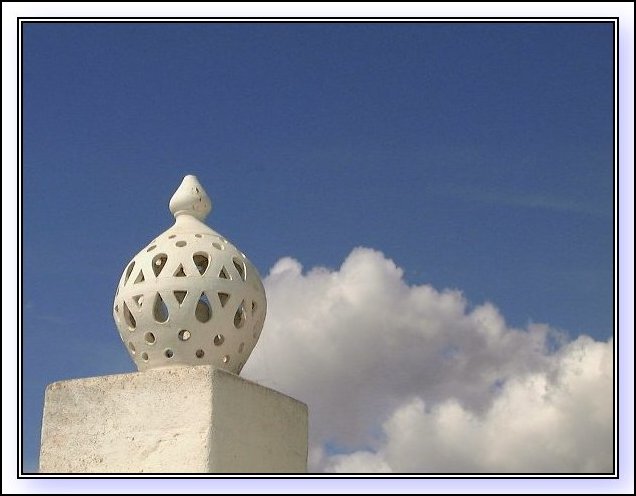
(402, 378)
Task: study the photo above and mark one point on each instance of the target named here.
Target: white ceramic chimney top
(190, 297)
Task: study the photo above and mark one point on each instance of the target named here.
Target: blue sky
(477, 157)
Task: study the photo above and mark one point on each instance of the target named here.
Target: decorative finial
(190, 297)
(191, 199)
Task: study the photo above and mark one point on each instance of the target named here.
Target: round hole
(181, 244)
(218, 340)
(150, 338)
(226, 358)
(198, 235)
(144, 356)
(218, 246)
(151, 248)
(132, 347)
(199, 353)
(184, 335)
(172, 236)
(168, 353)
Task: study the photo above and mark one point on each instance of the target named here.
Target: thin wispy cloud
(528, 201)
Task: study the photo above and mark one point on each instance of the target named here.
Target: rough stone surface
(171, 420)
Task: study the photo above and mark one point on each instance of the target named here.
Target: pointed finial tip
(191, 199)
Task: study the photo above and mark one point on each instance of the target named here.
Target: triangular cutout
(160, 310)
(223, 297)
(180, 296)
(139, 300)
(158, 263)
(179, 272)
(203, 310)
(201, 260)
(239, 316)
(129, 271)
(130, 320)
(223, 274)
(240, 267)
(140, 277)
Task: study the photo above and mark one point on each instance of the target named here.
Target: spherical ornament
(190, 297)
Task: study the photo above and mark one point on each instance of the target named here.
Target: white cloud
(410, 379)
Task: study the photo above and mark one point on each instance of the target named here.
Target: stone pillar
(171, 420)
(189, 308)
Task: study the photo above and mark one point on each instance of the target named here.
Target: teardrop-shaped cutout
(223, 297)
(203, 311)
(139, 300)
(201, 260)
(160, 310)
(254, 307)
(240, 267)
(159, 262)
(239, 316)
(180, 296)
(140, 277)
(128, 317)
(129, 271)
(179, 272)
(223, 274)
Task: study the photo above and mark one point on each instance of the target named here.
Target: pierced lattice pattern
(190, 297)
